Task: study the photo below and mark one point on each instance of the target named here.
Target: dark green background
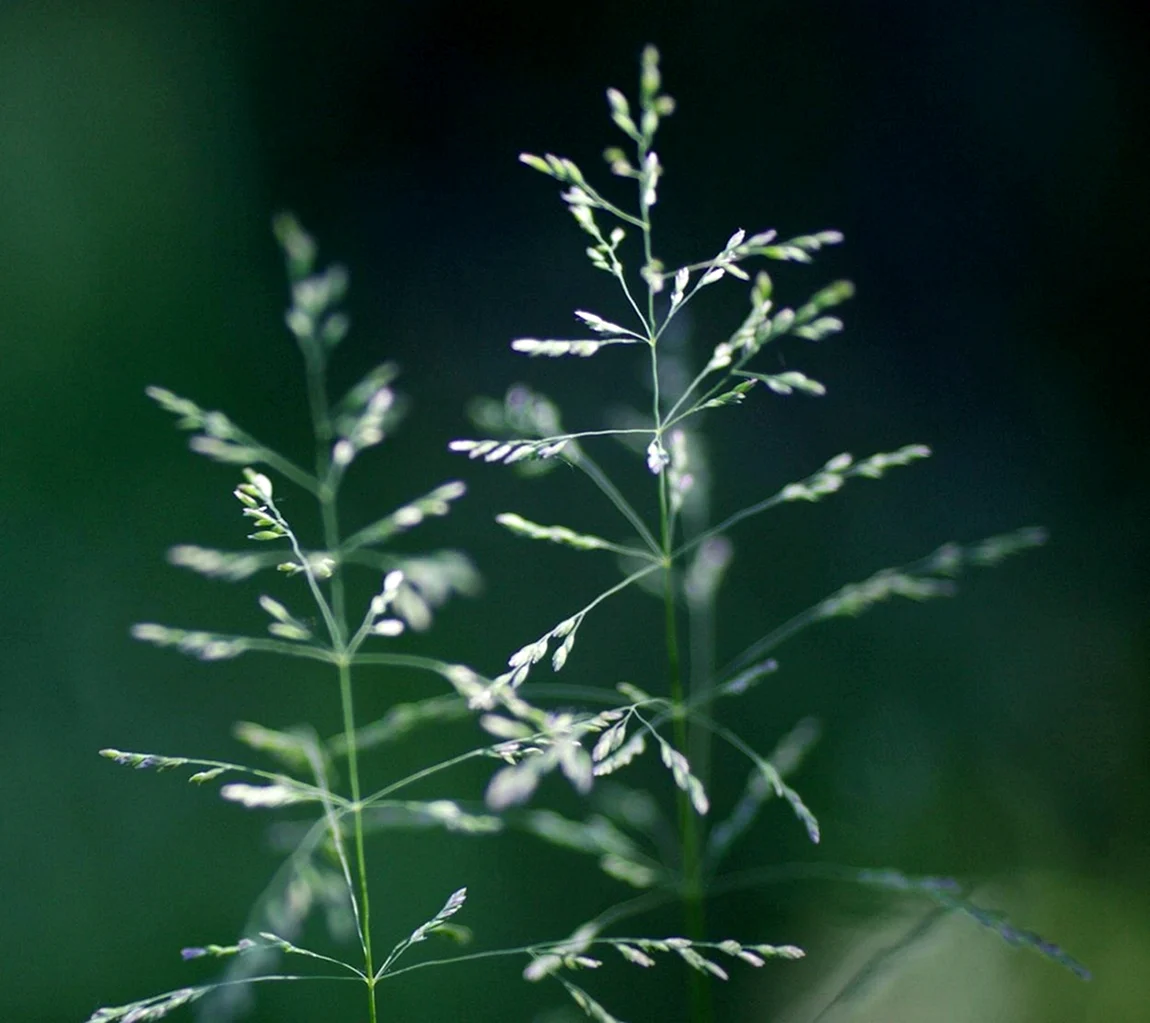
(987, 162)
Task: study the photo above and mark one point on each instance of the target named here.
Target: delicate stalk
(347, 705)
(692, 894)
(699, 986)
(695, 920)
(345, 696)
(321, 421)
(701, 619)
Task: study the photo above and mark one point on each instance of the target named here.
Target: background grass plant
(538, 728)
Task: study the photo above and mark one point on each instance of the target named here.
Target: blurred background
(987, 163)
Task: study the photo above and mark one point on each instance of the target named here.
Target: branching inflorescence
(533, 730)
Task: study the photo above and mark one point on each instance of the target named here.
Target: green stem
(347, 705)
(692, 890)
(701, 627)
(321, 421)
(695, 921)
(345, 697)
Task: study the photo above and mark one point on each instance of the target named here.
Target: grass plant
(534, 727)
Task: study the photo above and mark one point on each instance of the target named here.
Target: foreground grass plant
(537, 728)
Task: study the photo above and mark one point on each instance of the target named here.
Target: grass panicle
(662, 846)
